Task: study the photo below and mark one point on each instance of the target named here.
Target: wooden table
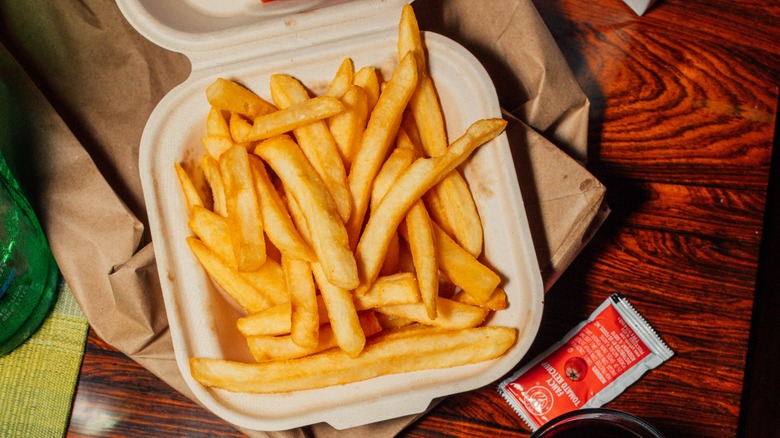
(684, 102)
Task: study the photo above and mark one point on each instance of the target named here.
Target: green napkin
(38, 379)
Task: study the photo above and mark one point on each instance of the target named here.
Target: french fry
(367, 79)
(240, 128)
(277, 223)
(304, 319)
(328, 234)
(426, 349)
(210, 168)
(191, 195)
(342, 313)
(450, 314)
(269, 280)
(228, 279)
(347, 126)
(342, 80)
(216, 123)
(462, 269)
(497, 300)
(243, 208)
(395, 164)
(292, 117)
(376, 141)
(452, 206)
(275, 320)
(425, 102)
(418, 178)
(212, 229)
(316, 142)
(400, 288)
(419, 231)
(234, 98)
(215, 145)
(267, 348)
(338, 302)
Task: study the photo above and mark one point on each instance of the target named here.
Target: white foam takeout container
(247, 41)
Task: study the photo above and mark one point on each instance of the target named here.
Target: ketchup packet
(590, 366)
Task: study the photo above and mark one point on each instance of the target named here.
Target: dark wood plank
(678, 101)
(116, 396)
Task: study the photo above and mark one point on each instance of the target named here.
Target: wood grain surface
(683, 109)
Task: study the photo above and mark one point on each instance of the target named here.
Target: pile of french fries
(342, 226)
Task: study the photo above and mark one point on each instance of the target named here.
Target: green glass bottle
(28, 272)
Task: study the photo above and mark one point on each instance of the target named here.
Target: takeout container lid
(310, 43)
(217, 32)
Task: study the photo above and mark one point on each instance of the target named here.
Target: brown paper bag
(86, 82)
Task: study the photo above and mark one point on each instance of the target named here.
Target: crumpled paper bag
(86, 82)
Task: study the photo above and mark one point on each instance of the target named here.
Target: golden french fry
(462, 269)
(338, 302)
(267, 348)
(376, 141)
(409, 39)
(210, 168)
(395, 164)
(232, 97)
(215, 145)
(342, 313)
(425, 349)
(452, 206)
(216, 123)
(449, 314)
(450, 202)
(191, 195)
(328, 234)
(347, 126)
(212, 229)
(243, 207)
(367, 79)
(228, 279)
(269, 280)
(277, 223)
(292, 117)
(428, 116)
(400, 288)
(343, 79)
(304, 319)
(316, 142)
(425, 103)
(240, 128)
(417, 225)
(420, 236)
(497, 300)
(275, 320)
(418, 178)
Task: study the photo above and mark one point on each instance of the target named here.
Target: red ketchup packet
(590, 366)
